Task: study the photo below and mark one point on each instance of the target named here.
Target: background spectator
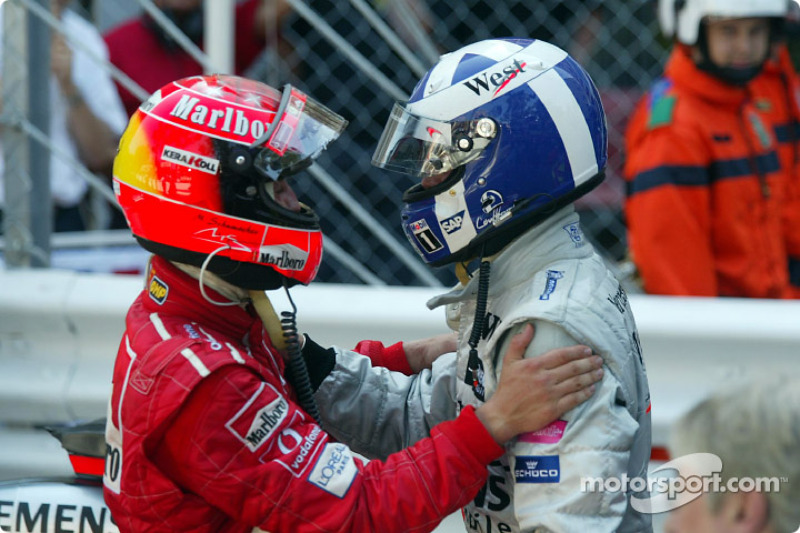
(775, 93)
(150, 56)
(754, 429)
(86, 115)
(706, 189)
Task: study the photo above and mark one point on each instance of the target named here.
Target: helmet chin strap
(261, 303)
(219, 283)
(269, 318)
(282, 332)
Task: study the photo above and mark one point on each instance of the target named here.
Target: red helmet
(195, 172)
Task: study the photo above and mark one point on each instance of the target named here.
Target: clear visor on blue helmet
(425, 147)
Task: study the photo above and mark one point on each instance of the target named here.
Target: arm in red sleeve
(291, 477)
(391, 357)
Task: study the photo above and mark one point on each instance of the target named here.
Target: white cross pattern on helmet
(570, 122)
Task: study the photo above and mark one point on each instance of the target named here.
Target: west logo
(495, 81)
(190, 160)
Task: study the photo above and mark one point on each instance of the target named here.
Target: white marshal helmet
(680, 19)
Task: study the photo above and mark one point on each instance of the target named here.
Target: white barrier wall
(59, 332)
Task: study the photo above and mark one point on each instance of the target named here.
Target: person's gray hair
(755, 429)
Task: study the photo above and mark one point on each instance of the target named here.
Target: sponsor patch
(575, 233)
(334, 470)
(537, 469)
(550, 286)
(453, 224)
(760, 129)
(619, 299)
(547, 435)
(496, 81)
(426, 239)
(158, 290)
(190, 160)
(261, 416)
(284, 257)
(474, 377)
(491, 200)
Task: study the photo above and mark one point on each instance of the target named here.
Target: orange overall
(776, 93)
(705, 189)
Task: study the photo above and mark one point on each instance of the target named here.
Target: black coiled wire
(296, 370)
(478, 324)
(480, 307)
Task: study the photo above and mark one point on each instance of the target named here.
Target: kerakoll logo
(678, 482)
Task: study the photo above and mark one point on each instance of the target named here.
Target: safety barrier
(59, 332)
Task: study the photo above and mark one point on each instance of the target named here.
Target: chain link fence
(339, 52)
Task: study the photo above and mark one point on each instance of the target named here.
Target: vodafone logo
(190, 160)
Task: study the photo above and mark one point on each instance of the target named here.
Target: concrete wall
(59, 332)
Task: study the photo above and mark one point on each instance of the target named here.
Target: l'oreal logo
(496, 81)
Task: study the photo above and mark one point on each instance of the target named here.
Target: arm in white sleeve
(378, 412)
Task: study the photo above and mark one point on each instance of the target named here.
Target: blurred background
(58, 328)
(357, 57)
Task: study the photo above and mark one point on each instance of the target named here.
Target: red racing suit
(776, 93)
(204, 435)
(705, 190)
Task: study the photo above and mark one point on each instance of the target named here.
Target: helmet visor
(424, 147)
(301, 130)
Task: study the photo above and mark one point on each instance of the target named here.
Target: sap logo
(158, 290)
(495, 80)
(537, 469)
(190, 160)
(335, 470)
(453, 223)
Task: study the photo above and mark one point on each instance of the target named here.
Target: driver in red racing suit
(211, 423)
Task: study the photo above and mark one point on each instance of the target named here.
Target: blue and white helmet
(518, 127)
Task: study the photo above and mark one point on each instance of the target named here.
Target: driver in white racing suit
(505, 134)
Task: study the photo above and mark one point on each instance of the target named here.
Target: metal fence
(341, 52)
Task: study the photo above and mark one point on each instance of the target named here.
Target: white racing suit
(552, 277)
